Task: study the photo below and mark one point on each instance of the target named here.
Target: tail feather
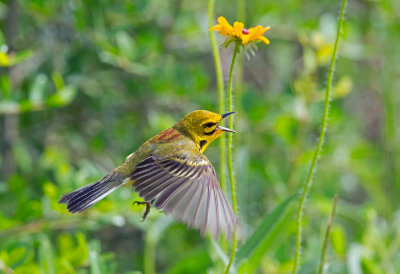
(83, 198)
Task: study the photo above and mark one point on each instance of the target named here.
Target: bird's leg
(147, 208)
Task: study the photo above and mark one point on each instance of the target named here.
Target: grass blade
(260, 235)
(328, 231)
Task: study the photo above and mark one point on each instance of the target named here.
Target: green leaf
(38, 89)
(193, 262)
(94, 258)
(338, 239)
(18, 253)
(261, 234)
(126, 45)
(5, 86)
(58, 80)
(74, 252)
(220, 252)
(46, 255)
(62, 97)
(22, 156)
(22, 57)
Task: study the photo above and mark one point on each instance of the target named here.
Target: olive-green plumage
(170, 171)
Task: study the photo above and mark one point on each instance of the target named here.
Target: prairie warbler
(171, 172)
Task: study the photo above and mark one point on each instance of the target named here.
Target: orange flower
(239, 33)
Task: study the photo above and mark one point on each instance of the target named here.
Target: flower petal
(259, 30)
(245, 39)
(223, 27)
(222, 21)
(225, 30)
(216, 28)
(237, 29)
(264, 39)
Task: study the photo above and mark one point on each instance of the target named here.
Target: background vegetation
(83, 83)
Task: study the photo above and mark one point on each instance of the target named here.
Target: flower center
(245, 31)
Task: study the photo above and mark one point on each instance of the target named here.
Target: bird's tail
(83, 198)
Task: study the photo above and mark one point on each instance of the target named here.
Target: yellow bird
(171, 172)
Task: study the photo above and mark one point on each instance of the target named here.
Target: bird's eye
(209, 124)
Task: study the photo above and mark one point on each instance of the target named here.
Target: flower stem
(230, 166)
(221, 93)
(149, 254)
(320, 141)
(328, 232)
(241, 16)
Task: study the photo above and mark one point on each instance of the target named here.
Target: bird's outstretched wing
(187, 187)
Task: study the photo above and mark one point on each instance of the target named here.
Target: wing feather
(153, 192)
(212, 214)
(227, 211)
(188, 188)
(180, 201)
(146, 171)
(192, 206)
(199, 218)
(168, 193)
(207, 210)
(152, 183)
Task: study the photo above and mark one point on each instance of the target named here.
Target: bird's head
(202, 127)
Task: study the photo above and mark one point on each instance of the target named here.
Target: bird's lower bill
(225, 129)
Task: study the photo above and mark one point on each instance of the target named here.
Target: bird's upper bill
(224, 128)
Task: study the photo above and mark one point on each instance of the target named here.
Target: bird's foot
(147, 208)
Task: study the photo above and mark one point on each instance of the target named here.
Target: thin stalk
(241, 16)
(221, 92)
(320, 141)
(149, 254)
(238, 94)
(221, 103)
(327, 234)
(230, 166)
(152, 236)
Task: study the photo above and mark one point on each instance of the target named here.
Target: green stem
(241, 16)
(328, 232)
(221, 92)
(149, 254)
(221, 107)
(230, 166)
(241, 10)
(320, 141)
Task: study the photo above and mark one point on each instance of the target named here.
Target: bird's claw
(147, 211)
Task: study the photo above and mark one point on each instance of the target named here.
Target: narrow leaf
(46, 255)
(262, 231)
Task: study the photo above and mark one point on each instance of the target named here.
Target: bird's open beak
(224, 128)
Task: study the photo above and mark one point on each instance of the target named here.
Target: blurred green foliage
(84, 83)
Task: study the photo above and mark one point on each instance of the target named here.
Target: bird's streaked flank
(171, 172)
